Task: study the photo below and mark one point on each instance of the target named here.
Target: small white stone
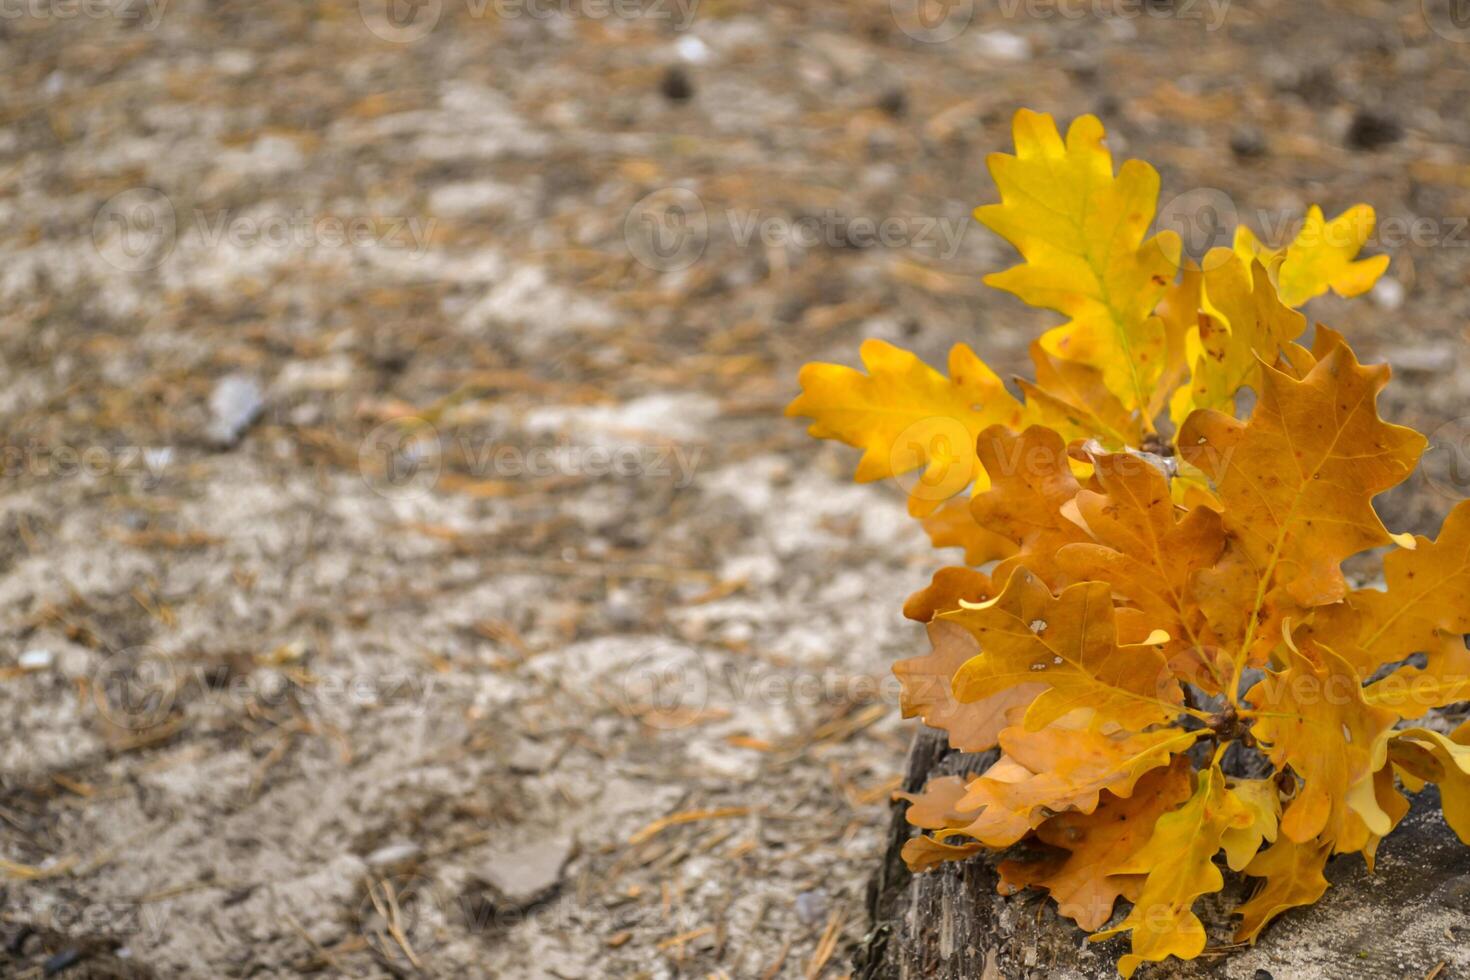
(1004, 46)
(692, 49)
(37, 659)
(1388, 293)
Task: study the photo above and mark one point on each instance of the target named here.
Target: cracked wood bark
(1411, 919)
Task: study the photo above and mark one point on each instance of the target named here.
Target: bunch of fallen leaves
(1152, 623)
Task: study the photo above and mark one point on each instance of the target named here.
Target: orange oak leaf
(1179, 862)
(1149, 551)
(1068, 643)
(1031, 482)
(953, 525)
(924, 852)
(1427, 595)
(1297, 481)
(936, 806)
(1438, 758)
(1293, 874)
(1072, 399)
(1081, 882)
(926, 691)
(945, 591)
(1059, 768)
(1313, 718)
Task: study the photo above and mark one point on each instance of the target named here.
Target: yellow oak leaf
(1320, 256)
(1072, 399)
(1081, 883)
(1242, 324)
(905, 415)
(1263, 800)
(1149, 551)
(1293, 874)
(1438, 758)
(1081, 232)
(1069, 644)
(1297, 482)
(1311, 716)
(1031, 483)
(1179, 862)
(925, 691)
(1388, 803)
(1056, 769)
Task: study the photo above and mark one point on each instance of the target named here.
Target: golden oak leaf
(1411, 691)
(1056, 769)
(1388, 803)
(1179, 312)
(1321, 256)
(1242, 324)
(1179, 862)
(1070, 398)
(1069, 644)
(1081, 883)
(1293, 874)
(1081, 232)
(1031, 483)
(904, 415)
(936, 807)
(1438, 758)
(945, 590)
(1297, 480)
(1427, 594)
(1313, 718)
(1149, 552)
(1263, 800)
(954, 525)
(924, 852)
(926, 692)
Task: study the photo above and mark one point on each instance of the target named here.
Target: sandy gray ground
(269, 692)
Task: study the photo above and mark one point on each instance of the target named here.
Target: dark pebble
(894, 102)
(675, 85)
(1247, 142)
(63, 960)
(1371, 129)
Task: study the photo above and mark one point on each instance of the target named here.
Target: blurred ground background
(584, 672)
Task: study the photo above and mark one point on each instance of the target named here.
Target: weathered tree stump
(1410, 919)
